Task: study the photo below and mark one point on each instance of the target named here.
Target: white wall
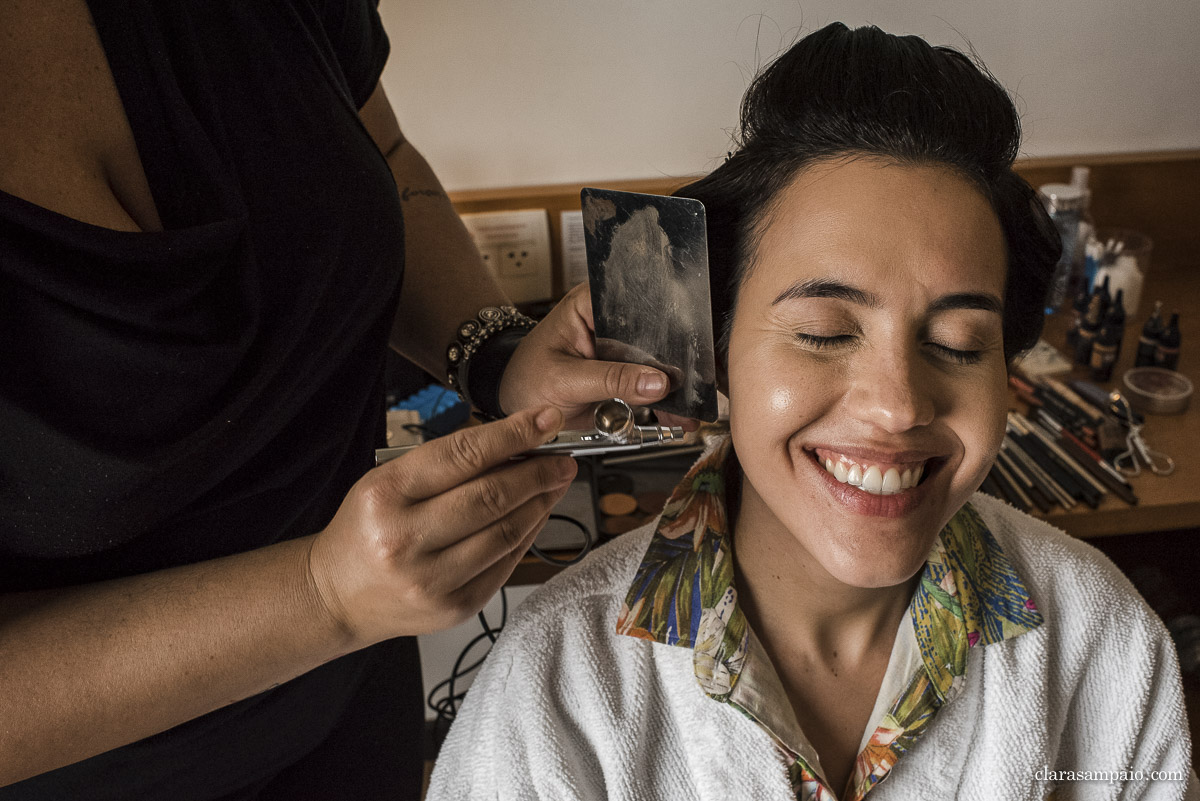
(519, 92)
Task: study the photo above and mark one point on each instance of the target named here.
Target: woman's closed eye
(957, 355)
(937, 349)
(819, 342)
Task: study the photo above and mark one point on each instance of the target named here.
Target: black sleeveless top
(172, 397)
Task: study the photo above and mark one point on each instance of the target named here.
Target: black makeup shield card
(648, 270)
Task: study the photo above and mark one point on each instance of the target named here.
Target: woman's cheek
(763, 385)
(980, 422)
(780, 401)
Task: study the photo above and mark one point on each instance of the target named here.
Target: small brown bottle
(1105, 350)
(1088, 331)
(1148, 341)
(1105, 296)
(1079, 309)
(1116, 318)
(1167, 353)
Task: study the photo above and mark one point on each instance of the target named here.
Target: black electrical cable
(421, 430)
(487, 627)
(446, 707)
(587, 545)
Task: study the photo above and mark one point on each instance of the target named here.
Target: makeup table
(1164, 502)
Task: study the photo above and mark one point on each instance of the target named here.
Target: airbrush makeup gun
(615, 431)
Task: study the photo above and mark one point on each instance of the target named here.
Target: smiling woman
(824, 602)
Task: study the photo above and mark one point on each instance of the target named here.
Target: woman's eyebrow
(982, 301)
(826, 288)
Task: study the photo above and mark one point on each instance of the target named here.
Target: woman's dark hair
(841, 92)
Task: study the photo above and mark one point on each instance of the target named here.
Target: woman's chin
(878, 570)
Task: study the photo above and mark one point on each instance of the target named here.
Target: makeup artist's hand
(556, 364)
(422, 542)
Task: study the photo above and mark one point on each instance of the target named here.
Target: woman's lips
(875, 487)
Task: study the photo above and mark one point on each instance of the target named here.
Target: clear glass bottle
(1086, 234)
(1067, 206)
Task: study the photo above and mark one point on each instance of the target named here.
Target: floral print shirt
(684, 594)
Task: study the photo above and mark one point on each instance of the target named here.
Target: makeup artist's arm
(446, 282)
(418, 544)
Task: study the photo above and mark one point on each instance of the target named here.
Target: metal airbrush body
(615, 431)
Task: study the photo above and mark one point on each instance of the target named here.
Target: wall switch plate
(515, 246)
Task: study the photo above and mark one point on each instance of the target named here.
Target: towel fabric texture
(566, 708)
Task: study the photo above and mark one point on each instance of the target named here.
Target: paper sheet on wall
(574, 249)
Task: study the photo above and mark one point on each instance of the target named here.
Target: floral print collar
(684, 594)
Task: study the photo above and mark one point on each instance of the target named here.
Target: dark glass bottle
(1080, 307)
(1088, 331)
(1116, 318)
(1167, 353)
(1105, 297)
(1148, 342)
(1105, 350)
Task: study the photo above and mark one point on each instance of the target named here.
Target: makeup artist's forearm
(89, 668)
(445, 280)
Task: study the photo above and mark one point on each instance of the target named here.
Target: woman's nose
(891, 393)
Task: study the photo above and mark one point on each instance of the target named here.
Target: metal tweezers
(1135, 446)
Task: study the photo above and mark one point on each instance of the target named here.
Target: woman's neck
(795, 606)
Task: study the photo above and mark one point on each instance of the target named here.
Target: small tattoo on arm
(408, 192)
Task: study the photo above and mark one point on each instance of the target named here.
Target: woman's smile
(873, 485)
(877, 475)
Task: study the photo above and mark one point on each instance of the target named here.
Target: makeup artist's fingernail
(651, 383)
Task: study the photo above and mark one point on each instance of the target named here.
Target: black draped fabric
(178, 396)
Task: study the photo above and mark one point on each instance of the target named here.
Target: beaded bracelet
(472, 336)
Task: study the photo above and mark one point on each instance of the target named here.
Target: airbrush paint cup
(614, 419)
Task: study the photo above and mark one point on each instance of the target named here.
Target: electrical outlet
(514, 260)
(515, 245)
(490, 255)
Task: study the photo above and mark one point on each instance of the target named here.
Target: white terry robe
(565, 708)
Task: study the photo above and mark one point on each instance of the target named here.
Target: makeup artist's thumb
(633, 383)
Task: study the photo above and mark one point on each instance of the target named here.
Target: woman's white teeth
(891, 481)
(873, 479)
